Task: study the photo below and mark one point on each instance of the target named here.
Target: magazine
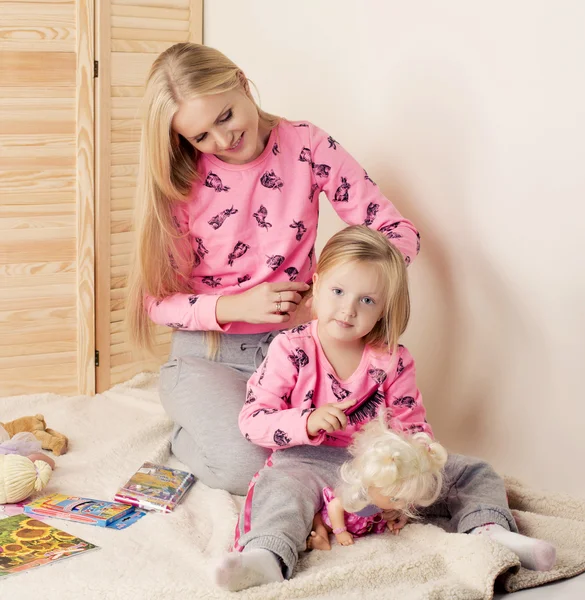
(26, 542)
(155, 487)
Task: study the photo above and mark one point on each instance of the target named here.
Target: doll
(389, 476)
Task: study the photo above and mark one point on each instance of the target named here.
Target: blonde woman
(226, 225)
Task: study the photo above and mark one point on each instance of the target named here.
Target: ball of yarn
(20, 477)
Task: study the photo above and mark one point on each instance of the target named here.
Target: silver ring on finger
(278, 306)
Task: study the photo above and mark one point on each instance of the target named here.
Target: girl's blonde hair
(359, 244)
(168, 167)
(406, 468)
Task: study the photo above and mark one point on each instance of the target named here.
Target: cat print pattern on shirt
(271, 181)
(213, 181)
(260, 216)
(217, 221)
(339, 392)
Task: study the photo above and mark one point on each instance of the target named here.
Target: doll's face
(384, 502)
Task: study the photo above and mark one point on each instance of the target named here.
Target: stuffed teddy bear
(49, 439)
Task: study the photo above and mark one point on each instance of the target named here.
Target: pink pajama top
(243, 225)
(295, 378)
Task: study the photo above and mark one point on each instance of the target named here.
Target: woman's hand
(264, 303)
(304, 312)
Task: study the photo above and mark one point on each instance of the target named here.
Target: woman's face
(226, 125)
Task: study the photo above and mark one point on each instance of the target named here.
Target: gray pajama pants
(204, 399)
(287, 493)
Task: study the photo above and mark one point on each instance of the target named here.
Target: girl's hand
(264, 303)
(345, 538)
(328, 418)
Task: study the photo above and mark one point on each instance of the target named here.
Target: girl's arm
(337, 518)
(268, 418)
(355, 197)
(403, 397)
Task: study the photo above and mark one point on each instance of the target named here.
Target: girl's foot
(536, 555)
(241, 570)
(318, 540)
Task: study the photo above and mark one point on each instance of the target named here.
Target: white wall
(471, 116)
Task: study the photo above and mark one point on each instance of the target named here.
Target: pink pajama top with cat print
(296, 378)
(244, 225)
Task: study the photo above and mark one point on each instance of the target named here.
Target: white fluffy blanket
(168, 556)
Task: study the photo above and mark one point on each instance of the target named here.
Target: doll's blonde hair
(20, 477)
(405, 467)
(360, 244)
(167, 172)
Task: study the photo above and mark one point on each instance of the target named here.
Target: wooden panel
(133, 33)
(103, 195)
(49, 296)
(62, 180)
(131, 68)
(122, 220)
(37, 69)
(85, 197)
(126, 108)
(38, 222)
(24, 91)
(40, 197)
(13, 318)
(32, 116)
(11, 211)
(155, 3)
(149, 24)
(42, 273)
(51, 29)
(125, 131)
(151, 12)
(55, 376)
(121, 259)
(37, 245)
(140, 46)
(159, 35)
(122, 91)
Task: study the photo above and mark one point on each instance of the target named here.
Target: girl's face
(348, 301)
(226, 125)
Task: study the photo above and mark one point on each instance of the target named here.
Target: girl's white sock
(241, 570)
(536, 555)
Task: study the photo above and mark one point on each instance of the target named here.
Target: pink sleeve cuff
(206, 307)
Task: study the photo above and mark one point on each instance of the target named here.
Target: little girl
(318, 385)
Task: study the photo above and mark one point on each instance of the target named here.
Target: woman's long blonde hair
(168, 167)
(359, 244)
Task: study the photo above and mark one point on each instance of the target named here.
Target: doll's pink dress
(355, 524)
